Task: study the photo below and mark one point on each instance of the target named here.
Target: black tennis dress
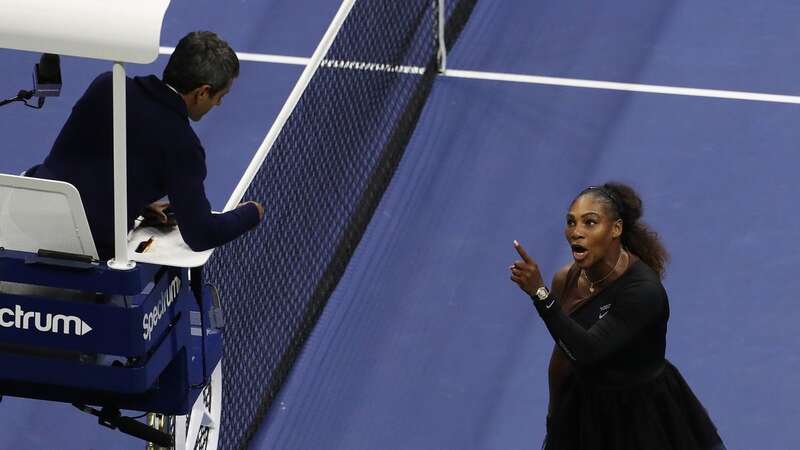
(622, 394)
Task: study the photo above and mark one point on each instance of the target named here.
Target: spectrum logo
(46, 323)
(151, 319)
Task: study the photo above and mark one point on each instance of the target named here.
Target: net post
(442, 53)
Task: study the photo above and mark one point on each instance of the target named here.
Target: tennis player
(610, 384)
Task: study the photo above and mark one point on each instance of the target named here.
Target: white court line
(256, 57)
(533, 79)
(279, 59)
(630, 87)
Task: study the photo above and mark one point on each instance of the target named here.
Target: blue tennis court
(424, 343)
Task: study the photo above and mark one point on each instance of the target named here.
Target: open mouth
(579, 252)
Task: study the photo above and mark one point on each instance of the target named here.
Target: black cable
(10, 100)
(23, 96)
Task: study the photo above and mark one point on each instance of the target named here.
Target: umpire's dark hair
(201, 57)
(638, 238)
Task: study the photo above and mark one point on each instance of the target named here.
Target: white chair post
(120, 260)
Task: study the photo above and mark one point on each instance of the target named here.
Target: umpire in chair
(165, 156)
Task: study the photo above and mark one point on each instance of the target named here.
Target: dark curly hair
(201, 57)
(622, 202)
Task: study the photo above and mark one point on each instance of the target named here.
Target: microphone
(47, 76)
(46, 82)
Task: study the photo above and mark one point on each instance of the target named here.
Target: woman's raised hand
(525, 272)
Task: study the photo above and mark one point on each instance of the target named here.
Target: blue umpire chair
(139, 332)
(74, 330)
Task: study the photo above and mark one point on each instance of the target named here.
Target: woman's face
(590, 231)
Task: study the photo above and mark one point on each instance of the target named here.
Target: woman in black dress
(610, 386)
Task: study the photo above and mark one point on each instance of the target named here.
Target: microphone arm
(111, 418)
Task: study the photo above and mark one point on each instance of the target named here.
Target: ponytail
(637, 237)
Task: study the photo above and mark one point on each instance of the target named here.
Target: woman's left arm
(637, 306)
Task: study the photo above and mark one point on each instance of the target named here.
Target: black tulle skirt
(661, 413)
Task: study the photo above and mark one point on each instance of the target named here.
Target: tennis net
(321, 180)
